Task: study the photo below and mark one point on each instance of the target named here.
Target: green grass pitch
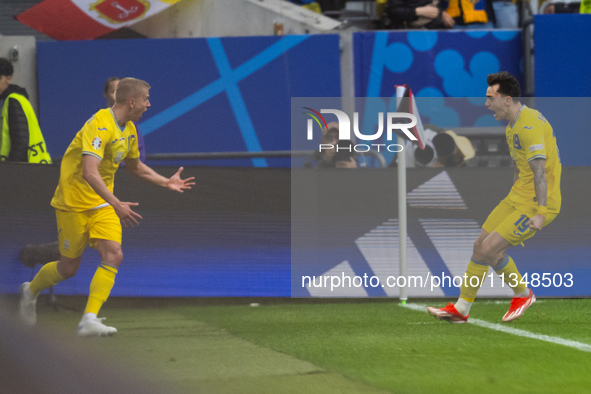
(336, 346)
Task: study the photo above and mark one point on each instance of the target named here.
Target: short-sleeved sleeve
(94, 138)
(134, 151)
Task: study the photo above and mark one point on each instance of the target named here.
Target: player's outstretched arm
(142, 171)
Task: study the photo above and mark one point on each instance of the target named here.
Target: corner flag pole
(405, 102)
(402, 230)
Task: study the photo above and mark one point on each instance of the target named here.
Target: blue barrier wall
(255, 231)
(233, 94)
(208, 94)
(433, 63)
(344, 224)
(563, 55)
(562, 79)
(229, 236)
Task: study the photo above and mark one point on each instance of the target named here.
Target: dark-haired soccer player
(86, 209)
(533, 202)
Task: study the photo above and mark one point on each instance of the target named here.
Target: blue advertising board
(208, 94)
(433, 63)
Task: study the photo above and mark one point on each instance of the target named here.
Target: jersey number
(516, 142)
(521, 223)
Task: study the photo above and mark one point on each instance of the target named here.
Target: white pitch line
(514, 331)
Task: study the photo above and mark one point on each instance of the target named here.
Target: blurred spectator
(324, 157)
(506, 14)
(20, 138)
(442, 149)
(333, 153)
(427, 14)
(471, 14)
(426, 157)
(561, 7)
(109, 90)
(452, 150)
(344, 157)
(109, 95)
(308, 4)
(331, 5)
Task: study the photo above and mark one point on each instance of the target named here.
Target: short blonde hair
(129, 88)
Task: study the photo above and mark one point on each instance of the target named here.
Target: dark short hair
(108, 84)
(508, 84)
(6, 67)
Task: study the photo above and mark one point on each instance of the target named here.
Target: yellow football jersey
(532, 137)
(102, 138)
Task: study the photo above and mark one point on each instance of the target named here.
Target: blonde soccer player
(88, 212)
(533, 202)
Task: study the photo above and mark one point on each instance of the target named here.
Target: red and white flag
(88, 19)
(407, 103)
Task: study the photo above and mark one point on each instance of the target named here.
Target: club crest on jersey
(120, 11)
(96, 143)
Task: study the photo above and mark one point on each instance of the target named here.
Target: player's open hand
(128, 217)
(536, 222)
(177, 184)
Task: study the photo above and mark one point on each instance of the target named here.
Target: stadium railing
(250, 155)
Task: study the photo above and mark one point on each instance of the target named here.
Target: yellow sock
(100, 288)
(510, 275)
(470, 286)
(45, 278)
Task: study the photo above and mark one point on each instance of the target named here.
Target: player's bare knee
(480, 252)
(111, 254)
(67, 267)
(477, 246)
(113, 258)
(484, 253)
(118, 258)
(68, 270)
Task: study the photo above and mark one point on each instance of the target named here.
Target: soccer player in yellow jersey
(533, 202)
(88, 212)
